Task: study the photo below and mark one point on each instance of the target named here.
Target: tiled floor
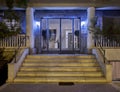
(58, 88)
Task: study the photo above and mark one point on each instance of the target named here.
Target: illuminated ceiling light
(37, 23)
(83, 23)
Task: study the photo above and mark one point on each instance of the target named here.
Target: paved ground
(58, 88)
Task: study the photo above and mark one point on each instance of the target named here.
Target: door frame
(60, 50)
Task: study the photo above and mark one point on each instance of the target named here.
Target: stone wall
(114, 55)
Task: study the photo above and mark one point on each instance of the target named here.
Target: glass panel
(66, 34)
(44, 34)
(54, 34)
(60, 34)
(76, 34)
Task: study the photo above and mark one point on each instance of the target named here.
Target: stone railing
(105, 65)
(111, 41)
(13, 41)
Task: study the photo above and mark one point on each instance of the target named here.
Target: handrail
(103, 51)
(16, 50)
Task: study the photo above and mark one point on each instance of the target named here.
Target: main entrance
(60, 35)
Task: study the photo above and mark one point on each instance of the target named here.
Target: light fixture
(37, 23)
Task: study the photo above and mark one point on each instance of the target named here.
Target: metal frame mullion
(80, 34)
(73, 34)
(60, 36)
(47, 33)
(40, 35)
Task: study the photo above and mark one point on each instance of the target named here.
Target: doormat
(66, 83)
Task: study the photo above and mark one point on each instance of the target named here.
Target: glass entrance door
(70, 34)
(66, 35)
(50, 34)
(60, 35)
(54, 34)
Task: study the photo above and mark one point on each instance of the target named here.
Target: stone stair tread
(59, 79)
(61, 60)
(60, 68)
(60, 56)
(59, 74)
(34, 68)
(60, 64)
(72, 67)
(62, 72)
(47, 73)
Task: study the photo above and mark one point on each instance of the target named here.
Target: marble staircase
(74, 68)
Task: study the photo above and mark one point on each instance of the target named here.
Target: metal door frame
(60, 45)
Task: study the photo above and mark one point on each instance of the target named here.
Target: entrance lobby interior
(60, 34)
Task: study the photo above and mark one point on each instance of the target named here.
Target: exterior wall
(82, 14)
(60, 13)
(114, 55)
(71, 13)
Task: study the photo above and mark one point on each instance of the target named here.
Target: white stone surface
(112, 54)
(30, 26)
(106, 68)
(14, 67)
(90, 15)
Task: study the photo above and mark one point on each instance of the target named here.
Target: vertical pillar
(90, 40)
(30, 28)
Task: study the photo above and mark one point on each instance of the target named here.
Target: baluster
(114, 44)
(24, 40)
(106, 43)
(20, 41)
(10, 44)
(101, 40)
(12, 41)
(4, 42)
(7, 41)
(16, 38)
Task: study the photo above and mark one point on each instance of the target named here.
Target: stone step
(60, 60)
(60, 68)
(60, 64)
(60, 56)
(59, 79)
(50, 74)
(52, 69)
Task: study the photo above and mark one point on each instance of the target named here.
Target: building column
(90, 40)
(30, 28)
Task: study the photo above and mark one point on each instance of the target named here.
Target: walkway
(58, 88)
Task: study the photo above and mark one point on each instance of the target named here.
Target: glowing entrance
(60, 35)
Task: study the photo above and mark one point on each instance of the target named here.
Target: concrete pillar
(90, 40)
(30, 28)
